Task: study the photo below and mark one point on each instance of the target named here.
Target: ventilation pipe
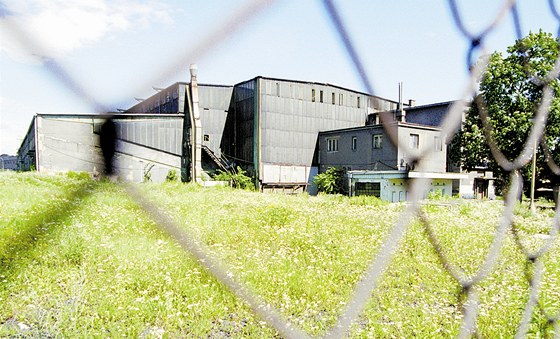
(401, 113)
(196, 130)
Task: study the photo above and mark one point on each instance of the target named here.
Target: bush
(171, 176)
(236, 178)
(331, 181)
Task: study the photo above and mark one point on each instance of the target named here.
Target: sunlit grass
(81, 259)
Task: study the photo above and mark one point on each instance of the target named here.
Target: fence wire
(469, 297)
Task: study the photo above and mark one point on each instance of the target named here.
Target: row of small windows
(377, 142)
(297, 92)
(333, 98)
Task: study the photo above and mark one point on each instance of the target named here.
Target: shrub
(331, 181)
(171, 176)
(236, 178)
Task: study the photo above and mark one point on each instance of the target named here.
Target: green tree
(331, 181)
(511, 91)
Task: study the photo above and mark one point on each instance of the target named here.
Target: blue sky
(118, 49)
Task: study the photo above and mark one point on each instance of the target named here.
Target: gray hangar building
(267, 126)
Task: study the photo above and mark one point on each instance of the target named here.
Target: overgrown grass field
(79, 258)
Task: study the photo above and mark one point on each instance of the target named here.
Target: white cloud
(55, 28)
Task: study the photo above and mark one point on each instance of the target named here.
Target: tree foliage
(331, 181)
(511, 91)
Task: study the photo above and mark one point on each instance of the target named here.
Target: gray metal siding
(162, 134)
(238, 138)
(71, 143)
(26, 153)
(214, 105)
(291, 120)
(429, 115)
(167, 100)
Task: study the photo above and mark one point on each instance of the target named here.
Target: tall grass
(79, 258)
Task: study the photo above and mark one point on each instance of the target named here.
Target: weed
(85, 261)
(236, 178)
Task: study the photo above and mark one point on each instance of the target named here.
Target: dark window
(368, 188)
(206, 137)
(354, 143)
(332, 145)
(378, 141)
(341, 99)
(358, 101)
(320, 96)
(333, 97)
(312, 95)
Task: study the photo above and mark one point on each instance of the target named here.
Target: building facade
(148, 145)
(8, 162)
(377, 158)
(273, 125)
(282, 132)
(267, 126)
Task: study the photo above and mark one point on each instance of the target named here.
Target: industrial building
(377, 165)
(148, 145)
(267, 126)
(282, 132)
(8, 162)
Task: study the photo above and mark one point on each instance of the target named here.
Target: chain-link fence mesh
(469, 296)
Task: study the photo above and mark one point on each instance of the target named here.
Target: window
(378, 141)
(320, 96)
(368, 188)
(340, 101)
(333, 97)
(354, 143)
(358, 102)
(277, 89)
(437, 144)
(206, 137)
(313, 95)
(414, 141)
(332, 145)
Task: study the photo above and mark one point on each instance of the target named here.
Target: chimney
(411, 102)
(196, 129)
(401, 114)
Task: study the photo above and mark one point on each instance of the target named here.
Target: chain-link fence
(381, 260)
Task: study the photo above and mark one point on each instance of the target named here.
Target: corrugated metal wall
(161, 134)
(293, 113)
(167, 101)
(70, 143)
(238, 139)
(26, 152)
(214, 106)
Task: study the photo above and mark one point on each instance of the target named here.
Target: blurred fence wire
(380, 261)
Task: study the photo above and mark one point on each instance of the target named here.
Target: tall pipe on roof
(196, 129)
(402, 114)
